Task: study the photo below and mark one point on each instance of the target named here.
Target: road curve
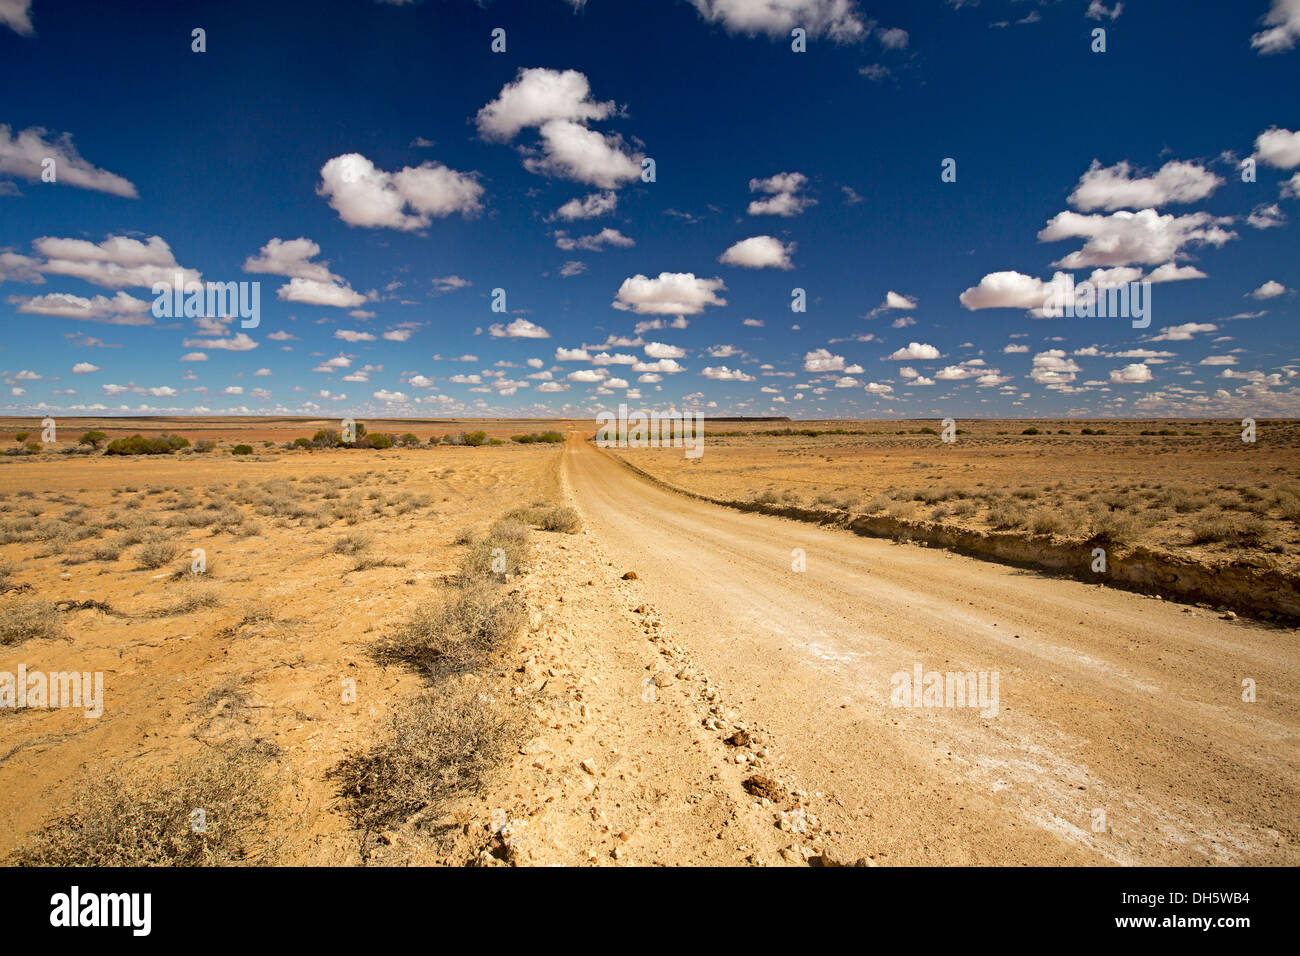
(1121, 736)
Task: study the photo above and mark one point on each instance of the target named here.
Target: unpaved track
(1109, 701)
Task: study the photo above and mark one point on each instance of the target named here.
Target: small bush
(381, 441)
(21, 437)
(1031, 431)
(24, 619)
(242, 450)
(139, 445)
(92, 438)
(458, 636)
(438, 746)
(473, 439)
(353, 543)
(154, 554)
(205, 445)
(147, 820)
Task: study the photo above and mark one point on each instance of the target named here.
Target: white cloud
(665, 366)
(759, 252)
(782, 195)
(518, 329)
(1131, 374)
(840, 20)
(593, 243)
(1172, 273)
(660, 350)
(194, 357)
(914, 350)
(121, 309)
(1097, 10)
(588, 375)
(1053, 368)
(118, 262)
(572, 268)
(239, 342)
(1269, 290)
(449, 283)
(22, 155)
(1218, 360)
(588, 207)
(572, 355)
(290, 257)
(721, 373)
(17, 16)
(574, 152)
(1283, 21)
(537, 96)
(821, 360)
(1011, 290)
(1015, 349)
(1112, 187)
(1123, 237)
(1184, 332)
(364, 195)
(1279, 147)
(349, 335)
(84, 368)
(876, 388)
(315, 292)
(671, 293)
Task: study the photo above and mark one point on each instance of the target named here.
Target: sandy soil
(1109, 701)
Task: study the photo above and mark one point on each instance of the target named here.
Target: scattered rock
(739, 739)
(589, 766)
(629, 576)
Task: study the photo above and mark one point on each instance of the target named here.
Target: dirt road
(1115, 713)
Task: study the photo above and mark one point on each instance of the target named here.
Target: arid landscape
(528, 652)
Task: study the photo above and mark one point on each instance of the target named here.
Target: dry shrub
(149, 820)
(1115, 527)
(458, 636)
(548, 517)
(353, 543)
(1236, 531)
(190, 595)
(154, 554)
(437, 746)
(1049, 522)
(1005, 516)
(24, 619)
(501, 554)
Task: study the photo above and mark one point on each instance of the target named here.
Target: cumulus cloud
(721, 373)
(671, 293)
(518, 329)
(1283, 22)
(1131, 374)
(1266, 216)
(118, 262)
(1113, 187)
(914, 350)
(559, 104)
(1279, 148)
(84, 368)
(17, 16)
(1126, 237)
(364, 195)
(839, 20)
(782, 195)
(593, 243)
(22, 155)
(660, 350)
(290, 257)
(878, 388)
(315, 292)
(821, 360)
(1011, 290)
(121, 309)
(759, 252)
(1184, 332)
(1053, 368)
(240, 342)
(1269, 290)
(588, 207)
(1098, 10)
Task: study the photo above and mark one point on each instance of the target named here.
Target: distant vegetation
(139, 445)
(536, 438)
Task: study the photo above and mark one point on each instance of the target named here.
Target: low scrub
(24, 619)
(147, 820)
(139, 445)
(438, 746)
(548, 517)
(458, 636)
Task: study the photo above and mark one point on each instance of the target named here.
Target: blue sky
(380, 171)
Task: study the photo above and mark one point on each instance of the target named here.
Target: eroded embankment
(1247, 587)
